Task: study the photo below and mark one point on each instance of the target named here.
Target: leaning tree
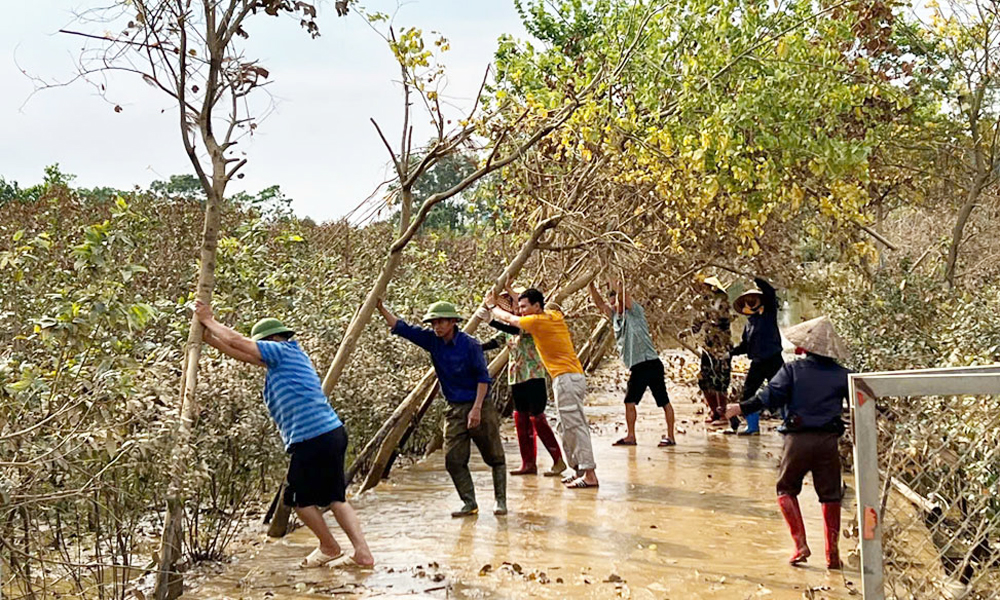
(193, 52)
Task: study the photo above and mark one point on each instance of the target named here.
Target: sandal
(581, 483)
(624, 442)
(571, 478)
(348, 562)
(556, 470)
(318, 558)
(665, 441)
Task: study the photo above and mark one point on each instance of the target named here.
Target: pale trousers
(570, 390)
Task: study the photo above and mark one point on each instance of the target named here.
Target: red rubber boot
(793, 516)
(526, 443)
(831, 527)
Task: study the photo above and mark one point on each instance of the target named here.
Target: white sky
(318, 145)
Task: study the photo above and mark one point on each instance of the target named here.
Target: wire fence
(939, 464)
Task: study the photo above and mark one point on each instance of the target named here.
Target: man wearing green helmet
(461, 370)
(310, 429)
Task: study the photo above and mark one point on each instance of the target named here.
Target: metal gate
(927, 466)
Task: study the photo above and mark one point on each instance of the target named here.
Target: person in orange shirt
(554, 344)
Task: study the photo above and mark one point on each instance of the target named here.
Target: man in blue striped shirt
(310, 429)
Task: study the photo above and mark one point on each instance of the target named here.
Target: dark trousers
(761, 370)
(813, 452)
(458, 438)
(530, 397)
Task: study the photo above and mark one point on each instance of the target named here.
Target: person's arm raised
(495, 343)
(506, 318)
(595, 296)
(390, 319)
(228, 341)
(770, 299)
(624, 299)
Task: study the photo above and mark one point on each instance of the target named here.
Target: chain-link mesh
(939, 461)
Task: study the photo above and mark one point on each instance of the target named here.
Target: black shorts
(316, 473)
(647, 374)
(715, 374)
(530, 396)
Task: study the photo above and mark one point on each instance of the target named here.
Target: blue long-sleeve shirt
(459, 364)
(813, 389)
(761, 338)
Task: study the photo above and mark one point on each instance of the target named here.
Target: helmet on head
(268, 326)
(441, 310)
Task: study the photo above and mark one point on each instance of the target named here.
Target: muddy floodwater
(695, 521)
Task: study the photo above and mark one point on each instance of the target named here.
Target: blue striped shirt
(294, 395)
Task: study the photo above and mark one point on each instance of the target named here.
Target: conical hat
(818, 336)
(714, 283)
(743, 298)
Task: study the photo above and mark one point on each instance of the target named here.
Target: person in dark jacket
(812, 390)
(761, 342)
(465, 380)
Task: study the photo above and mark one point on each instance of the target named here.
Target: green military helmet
(441, 310)
(268, 326)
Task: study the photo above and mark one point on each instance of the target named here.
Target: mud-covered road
(695, 521)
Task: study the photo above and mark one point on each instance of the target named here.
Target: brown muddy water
(695, 521)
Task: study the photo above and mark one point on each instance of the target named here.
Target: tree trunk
(364, 315)
(168, 583)
(361, 319)
(603, 346)
(958, 231)
(596, 337)
(982, 171)
(364, 458)
(575, 285)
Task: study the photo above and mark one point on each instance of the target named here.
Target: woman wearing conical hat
(812, 391)
(761, 342)
(712, 326)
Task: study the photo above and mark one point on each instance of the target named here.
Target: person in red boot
(812, 391)
(714, 337)
(526, 377)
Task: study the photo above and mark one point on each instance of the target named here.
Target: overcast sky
(318, 145)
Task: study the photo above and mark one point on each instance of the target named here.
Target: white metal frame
(864, 389)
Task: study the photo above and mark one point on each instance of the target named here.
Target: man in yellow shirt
(552, 338)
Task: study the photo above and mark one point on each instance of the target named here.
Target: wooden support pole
(600, 352)
(593, 351)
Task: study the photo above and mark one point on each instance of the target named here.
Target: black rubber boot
(500, 489)
(466, 489)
